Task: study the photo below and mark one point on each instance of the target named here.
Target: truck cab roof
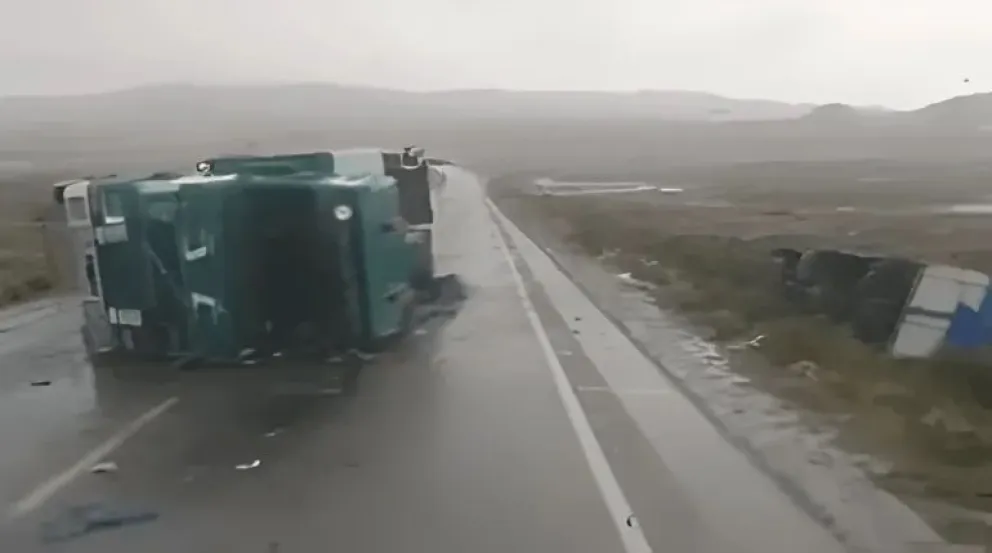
(351, 161)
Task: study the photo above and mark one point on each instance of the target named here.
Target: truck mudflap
(97, 333)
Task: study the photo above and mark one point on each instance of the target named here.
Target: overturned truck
(914, 309)
(254, 254)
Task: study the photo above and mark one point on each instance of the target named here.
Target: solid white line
(620, 511)
(625, 392)
(45, 491)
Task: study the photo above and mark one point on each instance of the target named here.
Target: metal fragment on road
(104, 467)
(248, 466)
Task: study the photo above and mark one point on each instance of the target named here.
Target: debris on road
(78, 521)
(104, 467)
(248, 466)
(41, 383)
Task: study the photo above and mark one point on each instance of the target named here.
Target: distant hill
(207, 103)
(971, 112)
(834, 114)
(172, 125)
(974, 111)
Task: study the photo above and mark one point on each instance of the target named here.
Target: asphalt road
(524, 423)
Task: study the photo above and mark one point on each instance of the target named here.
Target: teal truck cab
(218, 265)
(416, 182)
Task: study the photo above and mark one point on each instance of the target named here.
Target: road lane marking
(616, 502)
(46, 490)
(625, 392)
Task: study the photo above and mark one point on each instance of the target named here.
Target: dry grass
(27, 270)
(714, 266)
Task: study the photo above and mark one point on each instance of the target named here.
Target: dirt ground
(707, 249)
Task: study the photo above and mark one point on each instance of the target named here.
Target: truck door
(122, 264)
(199, 222)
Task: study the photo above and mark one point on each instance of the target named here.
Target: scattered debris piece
(361, 355)
(948, 419)
(274, 432)
(631, 521)
(40, 383)
(806, 368)
(104, 467)
(752, 343)
(78, 521)
(625, 276)
(248, 466)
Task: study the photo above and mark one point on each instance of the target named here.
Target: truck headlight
(342, 213)
(203, 167)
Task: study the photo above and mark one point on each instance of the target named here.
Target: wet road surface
(509, 427)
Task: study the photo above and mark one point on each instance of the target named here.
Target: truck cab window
(113, 209)
(77, 209)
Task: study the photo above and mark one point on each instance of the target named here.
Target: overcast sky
(900, 53)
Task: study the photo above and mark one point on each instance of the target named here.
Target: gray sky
(900, 53)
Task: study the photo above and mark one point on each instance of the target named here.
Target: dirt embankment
(711, 262)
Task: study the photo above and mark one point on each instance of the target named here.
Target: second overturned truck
(268, 255)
